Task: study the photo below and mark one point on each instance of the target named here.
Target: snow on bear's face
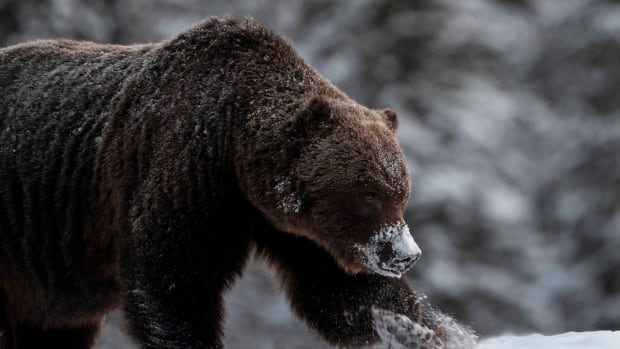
(352, 186)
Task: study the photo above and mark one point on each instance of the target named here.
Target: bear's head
(344, 185)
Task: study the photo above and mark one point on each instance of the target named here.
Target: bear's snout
(391, 251)
(405, 252)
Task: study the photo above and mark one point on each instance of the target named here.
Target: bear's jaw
(391, 251)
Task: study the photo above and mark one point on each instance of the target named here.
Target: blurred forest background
(510, 119)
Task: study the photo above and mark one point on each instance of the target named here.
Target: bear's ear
(390, 117)
(316, 113)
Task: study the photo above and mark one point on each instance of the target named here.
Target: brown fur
(142, 177)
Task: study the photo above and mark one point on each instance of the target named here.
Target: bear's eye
(371, 203)
(371, 199)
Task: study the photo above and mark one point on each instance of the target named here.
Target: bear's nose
(402, 264)
(391, 251)
(404, 253)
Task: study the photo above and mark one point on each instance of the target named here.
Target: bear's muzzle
(391, 251)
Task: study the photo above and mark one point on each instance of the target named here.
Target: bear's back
(51, 90)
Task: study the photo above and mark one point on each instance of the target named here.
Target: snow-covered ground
(113, 338)
(569, 340)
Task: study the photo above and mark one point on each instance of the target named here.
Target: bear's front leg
(338, 305)
(160, 318)
(177, 272)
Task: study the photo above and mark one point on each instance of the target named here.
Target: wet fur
(125, 182)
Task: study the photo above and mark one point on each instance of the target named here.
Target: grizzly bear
(143, 177)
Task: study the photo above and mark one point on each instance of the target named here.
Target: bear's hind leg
(83, 337)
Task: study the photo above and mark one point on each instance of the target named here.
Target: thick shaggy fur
(143, 176)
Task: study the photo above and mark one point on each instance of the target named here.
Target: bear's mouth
(394, 271)
(390, 272)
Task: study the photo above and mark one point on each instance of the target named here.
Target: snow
(290, 201)
(402, 244)
(568, 340)
(400, 332)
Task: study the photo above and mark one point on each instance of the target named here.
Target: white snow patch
(568, 340)
(282, 185)
(397, 234)
(290, 201)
